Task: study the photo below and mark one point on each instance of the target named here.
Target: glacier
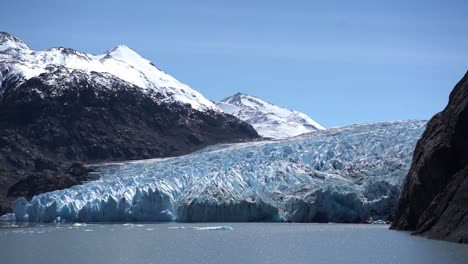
(345, 174)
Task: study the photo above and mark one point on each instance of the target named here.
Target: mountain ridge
(120, 61)
(268, 119)
(8, 40)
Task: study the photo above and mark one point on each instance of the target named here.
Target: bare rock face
(434, 200)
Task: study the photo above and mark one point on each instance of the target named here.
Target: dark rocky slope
(49, 122)
(434, 200)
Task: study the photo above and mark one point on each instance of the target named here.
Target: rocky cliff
(434, 200)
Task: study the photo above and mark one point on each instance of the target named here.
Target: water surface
(245, 243)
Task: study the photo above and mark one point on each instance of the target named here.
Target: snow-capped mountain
(269, 120)
(61, 106)
(346, 174)
(8, 41)
(18, 63)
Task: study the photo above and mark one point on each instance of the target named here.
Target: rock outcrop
(434, 200)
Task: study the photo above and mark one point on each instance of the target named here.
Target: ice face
(346, 174)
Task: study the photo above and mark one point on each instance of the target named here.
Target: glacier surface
(346, 174)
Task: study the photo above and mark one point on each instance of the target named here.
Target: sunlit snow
(268, 119)
(19, 62)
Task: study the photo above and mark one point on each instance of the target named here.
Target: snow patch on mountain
(8, 41)
(19, 63)
(346, 174)
(268, 119)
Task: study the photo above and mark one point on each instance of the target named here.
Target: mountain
(434, 201)
(61, 106)
(346, 174)
(8, 41)
(269, 120)
(19, 62)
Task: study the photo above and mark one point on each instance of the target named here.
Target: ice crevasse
(346, 174)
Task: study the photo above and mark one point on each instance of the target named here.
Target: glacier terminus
(346, 174)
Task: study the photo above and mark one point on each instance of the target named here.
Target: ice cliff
(346, 174)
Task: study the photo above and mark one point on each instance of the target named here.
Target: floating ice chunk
(214, 228)
(19, 208)
(204, 228)
(8, 217)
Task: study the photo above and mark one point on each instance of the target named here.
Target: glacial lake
(245, 243)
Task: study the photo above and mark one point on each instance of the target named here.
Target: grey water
(244, 243)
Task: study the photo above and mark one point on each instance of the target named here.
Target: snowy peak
(237, 97)
(268, 119)
(122, 49)
(8, 41)
(126, 54)
(24, 63)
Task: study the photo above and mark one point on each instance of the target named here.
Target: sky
(340, 62)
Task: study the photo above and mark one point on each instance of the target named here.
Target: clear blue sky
(341, 62)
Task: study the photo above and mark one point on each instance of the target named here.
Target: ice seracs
(347, 174)
(19, 63)
(268, 119)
